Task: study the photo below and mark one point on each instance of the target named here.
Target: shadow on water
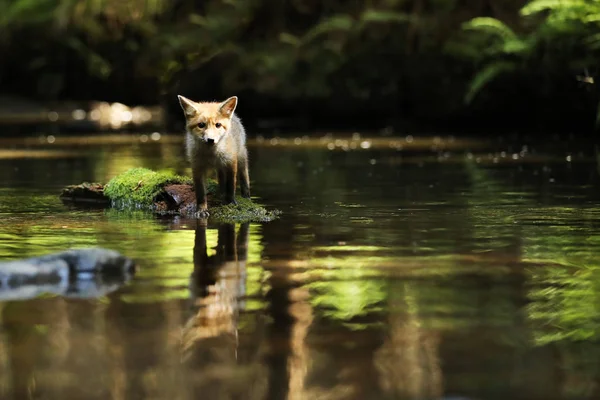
(448, 268)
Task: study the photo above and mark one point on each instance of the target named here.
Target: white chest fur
(206, 155)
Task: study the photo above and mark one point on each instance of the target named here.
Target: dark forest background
(452, 64)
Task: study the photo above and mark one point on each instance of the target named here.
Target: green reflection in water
(170, 265)
(346, 299)
(431, 286)
(167, 276)
(565, 278)
(561, 256)
(490, 212)
(256, 276)
(426, 266)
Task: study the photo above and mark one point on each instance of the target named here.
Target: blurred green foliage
(421, 57)
(380, 50)
(80, 26)
(267, 47)
(554, 39)
(565, 288)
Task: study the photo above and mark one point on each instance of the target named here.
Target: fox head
(208, 122)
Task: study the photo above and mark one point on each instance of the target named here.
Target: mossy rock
(167, 193)
(140, 188)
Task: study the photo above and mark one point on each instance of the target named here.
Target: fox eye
(218, 124)
(201, 125)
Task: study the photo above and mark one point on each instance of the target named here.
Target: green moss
(138, 187)
(245, 211)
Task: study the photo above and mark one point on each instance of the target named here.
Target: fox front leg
(230, 179)
(201, 202)
(244, 178)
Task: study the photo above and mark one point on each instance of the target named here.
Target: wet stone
(90, 272)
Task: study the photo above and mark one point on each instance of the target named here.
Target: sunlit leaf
(490, 26)
(592, 18)
(515, 46)
(537, 6)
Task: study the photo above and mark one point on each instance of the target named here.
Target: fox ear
(228, 106)
(189, 107)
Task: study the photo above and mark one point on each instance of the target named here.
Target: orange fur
(216, 139)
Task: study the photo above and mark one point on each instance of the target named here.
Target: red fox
(215, 138)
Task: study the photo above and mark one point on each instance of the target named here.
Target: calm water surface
(401, 268)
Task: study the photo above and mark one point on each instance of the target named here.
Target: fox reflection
(217, 283)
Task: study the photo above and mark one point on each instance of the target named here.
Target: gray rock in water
(84, 273)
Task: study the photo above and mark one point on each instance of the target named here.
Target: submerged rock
(84, 273)
(164, 193)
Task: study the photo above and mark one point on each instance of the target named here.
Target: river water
(402, 267)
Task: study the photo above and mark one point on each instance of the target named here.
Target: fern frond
(491, 26)
(515, 46)
(335, 23)
(485, 76)
(537, 6)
